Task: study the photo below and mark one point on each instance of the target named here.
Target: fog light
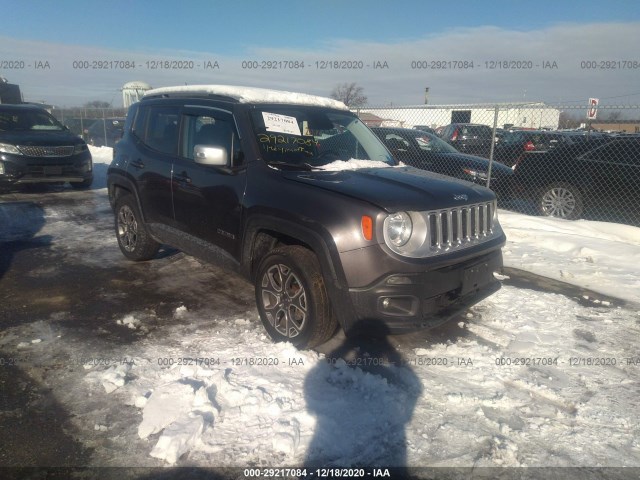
(400, 306)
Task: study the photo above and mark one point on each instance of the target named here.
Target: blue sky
(234, 27)
(60, 33)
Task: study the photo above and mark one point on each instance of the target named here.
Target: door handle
(182, 177)
(137, 164)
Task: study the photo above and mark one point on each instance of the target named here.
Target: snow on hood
(253, 95)
(353, 164)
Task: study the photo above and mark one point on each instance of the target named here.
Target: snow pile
(101, 155)
(111, 379)
(169, 409)
(501, 383)
(130, 321)
(595, 255)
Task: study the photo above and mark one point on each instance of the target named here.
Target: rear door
(155, 131)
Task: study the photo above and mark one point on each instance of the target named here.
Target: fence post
(493, 143)
(104, 127)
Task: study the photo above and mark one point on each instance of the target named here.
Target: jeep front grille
(44, 151)
(459, 226)
(437, 232)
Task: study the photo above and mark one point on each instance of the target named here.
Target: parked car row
(560, 174)
(100, 132)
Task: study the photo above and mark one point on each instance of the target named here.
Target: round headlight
(398, 228)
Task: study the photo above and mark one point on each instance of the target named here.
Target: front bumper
(406, 302)
(17, 170)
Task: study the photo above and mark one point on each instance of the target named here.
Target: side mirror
(207, 155)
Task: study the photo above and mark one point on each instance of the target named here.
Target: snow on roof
(252, 95)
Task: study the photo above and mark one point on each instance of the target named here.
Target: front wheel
(561, 200)
(292, 299)
(133, 239)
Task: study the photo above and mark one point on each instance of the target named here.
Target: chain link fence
(97, 126)
(539, 159)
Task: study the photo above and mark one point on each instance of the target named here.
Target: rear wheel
(133, 239)
(561, 200)
(292, 299)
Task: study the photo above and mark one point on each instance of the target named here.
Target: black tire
(292, 299)
(560, 200)
(83, 184)
(133, 239)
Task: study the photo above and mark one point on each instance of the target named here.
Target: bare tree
(97, 104)
(569, 119)
(351, 94)
(613, 116)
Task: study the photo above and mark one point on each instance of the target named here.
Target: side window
(161, 129)
(396, 141)
(139, 122)
(617, 151)
(209, 130)
(634, 153)
(602, 153)
(628, 152)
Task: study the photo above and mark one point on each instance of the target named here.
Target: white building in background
(522, 115)
(133, 92)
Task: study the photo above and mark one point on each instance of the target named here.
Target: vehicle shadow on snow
(362, 397)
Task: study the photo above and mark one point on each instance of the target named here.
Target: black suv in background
(470, 138)
(294, 192)
(423, 150)
(593, 171)
(515, 144)
(36, 148)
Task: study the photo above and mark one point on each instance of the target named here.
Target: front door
(207, 199)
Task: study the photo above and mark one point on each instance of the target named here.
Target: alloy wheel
(127, 228)
(284, 300)
(558, 202)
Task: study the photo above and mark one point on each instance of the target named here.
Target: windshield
(315, 137)
(17, 120)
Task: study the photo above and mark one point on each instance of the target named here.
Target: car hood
(396, 188)
(40, 138)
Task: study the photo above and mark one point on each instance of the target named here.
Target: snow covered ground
(525, 378)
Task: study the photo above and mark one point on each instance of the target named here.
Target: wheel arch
(118, 185)
(264, 233)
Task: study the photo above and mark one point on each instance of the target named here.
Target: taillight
(454, 137)
(529, 146)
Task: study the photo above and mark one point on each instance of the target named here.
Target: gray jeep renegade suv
(294, 192)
